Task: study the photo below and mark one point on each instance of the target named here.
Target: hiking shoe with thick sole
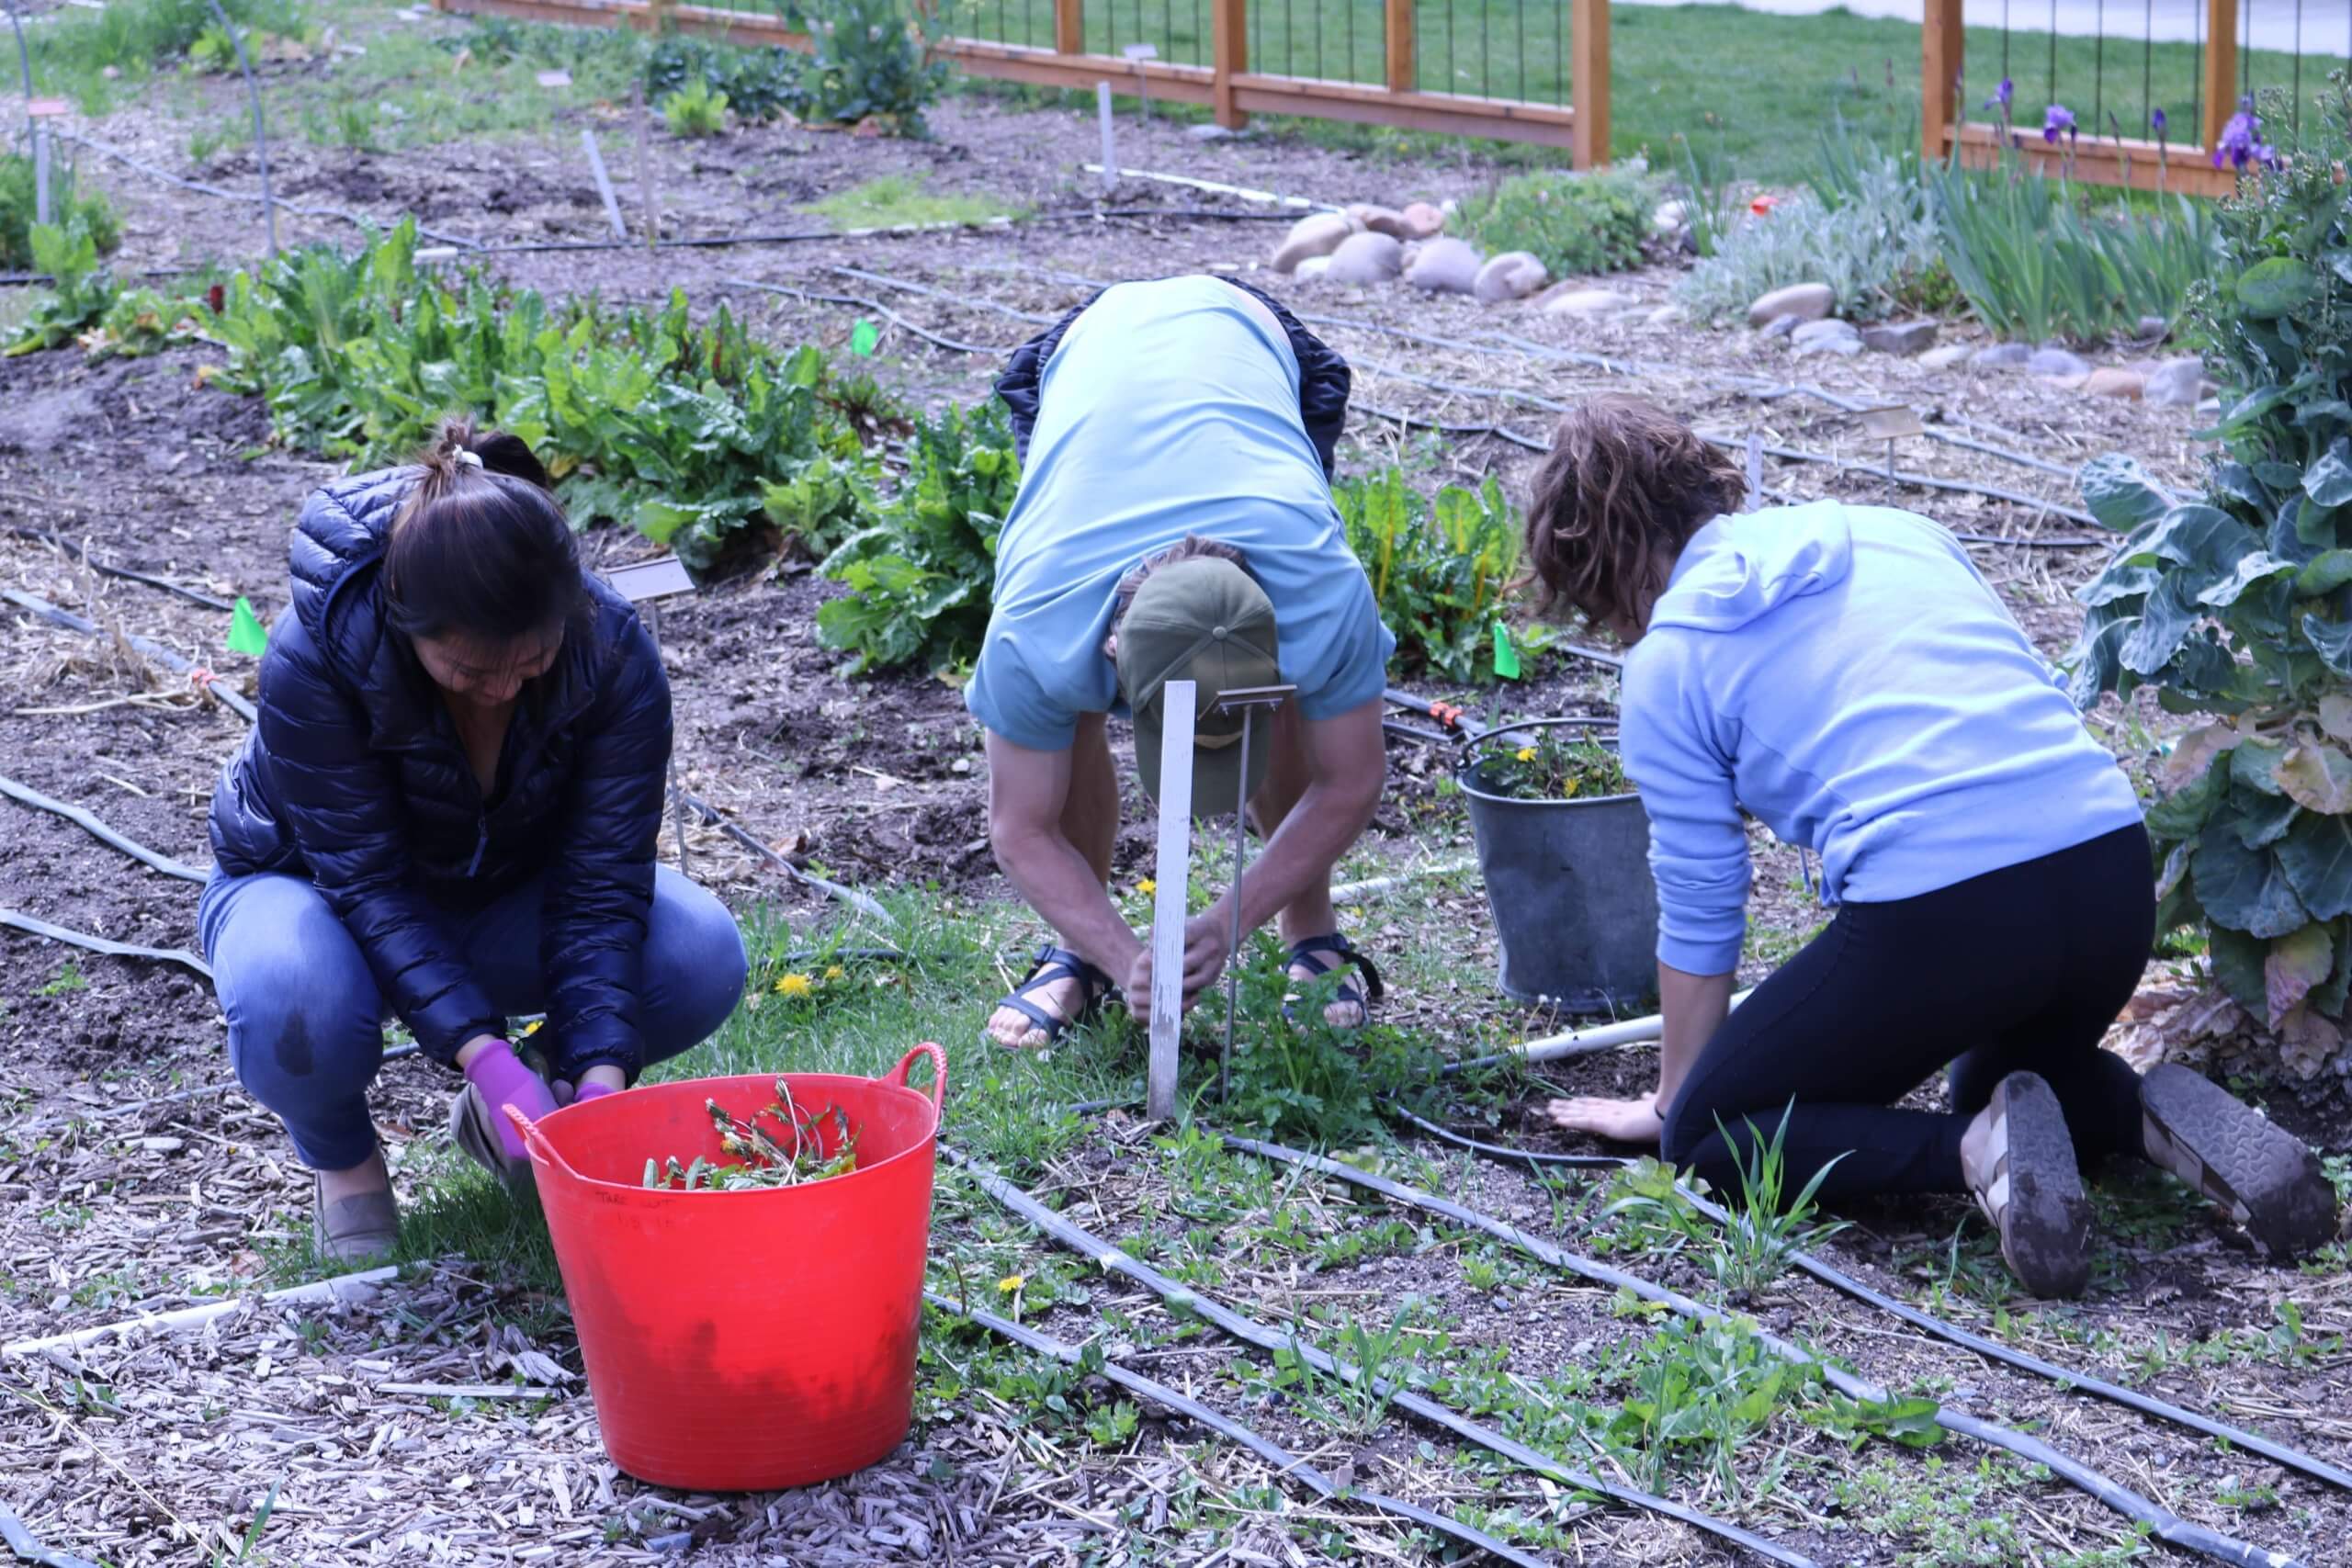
(353, 1230)
(2031, 1189)
(2260, 1173)
(470, 1130)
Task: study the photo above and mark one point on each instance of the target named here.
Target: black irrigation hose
(711, 814)
(2162, 1522)
(1283, 1461)
(26, 795)
(202, 679)
(20, 1540)
(35, 926)
(954, 344)
(1990, 1350)
(201, 188)
(1183, 1299)
(811, 236)
(81, 553)
(887, 281)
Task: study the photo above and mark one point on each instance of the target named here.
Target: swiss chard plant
(868, 60)
(919, 578)
(2236, 606)
(1441, 568)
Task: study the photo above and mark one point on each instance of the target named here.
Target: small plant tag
(862, 337)
(1506, 652)
(247, 633)
(554, 78)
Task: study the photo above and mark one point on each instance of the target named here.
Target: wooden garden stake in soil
(648, 581)
(1894, 423)
(1109, 155)
(40, 175)
(1755, 470)
(1247, 700)
(644, 179)
(1172, 874)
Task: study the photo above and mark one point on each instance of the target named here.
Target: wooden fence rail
(2094, 159)
(1227, 86)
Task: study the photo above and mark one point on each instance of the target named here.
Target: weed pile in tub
(1551, 766)
(792, 1157)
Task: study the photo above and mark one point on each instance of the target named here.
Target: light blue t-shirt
(1167, 408)
(1844, 674)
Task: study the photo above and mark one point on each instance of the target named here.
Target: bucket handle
(537, 1142)
(897, 1074)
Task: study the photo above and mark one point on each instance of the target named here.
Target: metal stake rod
(677, 796)
(1109, 148)
(1233, 945)
(261, 136)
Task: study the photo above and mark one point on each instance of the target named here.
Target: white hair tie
(467, 454)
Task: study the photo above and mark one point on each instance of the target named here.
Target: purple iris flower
(2057, 121)
(2241, 142)
(2156, 120)
(2001, 97)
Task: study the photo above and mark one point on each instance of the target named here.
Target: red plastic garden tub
(744, 1342)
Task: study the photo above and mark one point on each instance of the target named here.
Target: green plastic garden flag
(1505, 654)
(247, 633)
(862, 337)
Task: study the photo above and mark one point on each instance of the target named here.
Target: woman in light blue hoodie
(1843, 675)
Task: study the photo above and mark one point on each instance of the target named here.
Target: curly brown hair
(1624, 488)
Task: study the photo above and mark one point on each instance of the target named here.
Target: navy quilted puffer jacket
(356, 779)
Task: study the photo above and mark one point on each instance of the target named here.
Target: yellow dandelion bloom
(793, 985)
(1147, 887)
(833, 970)
(1011, 1283)
(1526, 753)
(532, 1028)
(1569, 788)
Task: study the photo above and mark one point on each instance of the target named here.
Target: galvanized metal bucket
(1568, 881)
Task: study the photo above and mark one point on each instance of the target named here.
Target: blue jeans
(306, 1022)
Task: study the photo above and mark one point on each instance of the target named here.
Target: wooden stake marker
(1172, 874)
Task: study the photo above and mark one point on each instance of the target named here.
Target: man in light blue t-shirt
(1175, 522)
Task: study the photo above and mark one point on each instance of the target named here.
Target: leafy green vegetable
(1441, 568)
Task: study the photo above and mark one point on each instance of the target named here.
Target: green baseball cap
(1205, 621)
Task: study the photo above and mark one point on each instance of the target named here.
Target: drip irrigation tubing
(2160, 1521)
(18, 919)
(81, 552)
(26, 795)
(1283, 1461)
(815, 296)
(200, 189)
(711, 814)
(1837, 1279)
(22, 1543)
(198, 676)
(883, 230)
(1758, 386)
(1182, 1299)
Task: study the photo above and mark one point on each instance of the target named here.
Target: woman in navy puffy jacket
(448, 813)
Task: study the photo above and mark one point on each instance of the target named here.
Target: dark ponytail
(481, 547)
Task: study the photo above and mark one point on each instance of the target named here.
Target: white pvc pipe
(1582, 1041)
(342, 1288)
(1380, 886)
(1242, 193)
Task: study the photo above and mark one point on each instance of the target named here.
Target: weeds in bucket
(794, 1158)
(1549, 764)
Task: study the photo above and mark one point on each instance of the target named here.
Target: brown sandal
(2032, 1192)
(2261, 1175)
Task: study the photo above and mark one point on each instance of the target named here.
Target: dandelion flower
(833, 970)
(1525, 753)
(1011, 1283)
(793, 985)
(1147, 887)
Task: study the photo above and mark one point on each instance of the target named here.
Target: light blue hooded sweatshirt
(1844, 674)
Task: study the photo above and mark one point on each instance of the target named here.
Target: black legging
(2023, 968)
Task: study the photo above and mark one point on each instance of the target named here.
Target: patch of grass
(68, 979)
(1939, 1513)
(897, 200)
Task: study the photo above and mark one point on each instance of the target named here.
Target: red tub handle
(897, 1074)
(537, 1142)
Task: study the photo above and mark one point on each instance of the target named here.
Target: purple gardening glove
(502, 1080)
(589, 1091)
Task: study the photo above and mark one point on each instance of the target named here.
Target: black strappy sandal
(1054, 963)
(1307, 953)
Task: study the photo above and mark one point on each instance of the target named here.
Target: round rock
(1379, 220)
(1317, 235)
(2174, 383)
(1445, 266)
(1586, 302)
(1365, 258)
(2115, 381)
(1805, 301)
(1514, 274)
(2002, 356)
(2057, 361)
(1313, 267)
(1422, 221)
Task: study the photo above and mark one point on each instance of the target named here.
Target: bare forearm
(1693, 1006)
(1054, 880)
(1317, 831)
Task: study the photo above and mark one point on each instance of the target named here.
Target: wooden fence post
(2221, 68)
(1229, 52)
(1070, 27)
(1589, 81)
(1941, 57)
(1399, 15)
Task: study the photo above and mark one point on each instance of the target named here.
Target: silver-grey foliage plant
(1883, 234)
